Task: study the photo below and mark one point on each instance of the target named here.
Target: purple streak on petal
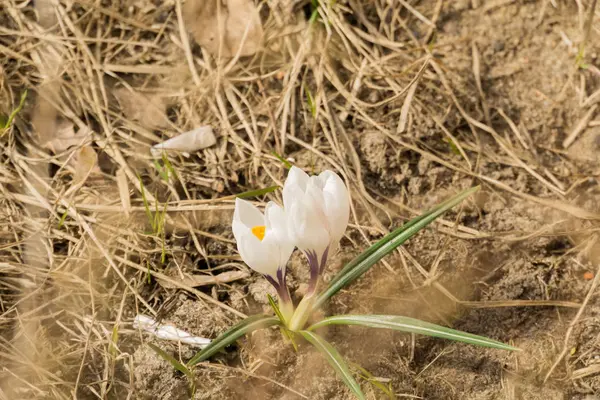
(272, 282)
(313, 263)
(284, 294)
(280, 285)
(324, 260)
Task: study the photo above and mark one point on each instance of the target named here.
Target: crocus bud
(318, 209)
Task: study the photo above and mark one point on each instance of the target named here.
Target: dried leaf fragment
(231, 25)
(123, 190)
(64, 137)
(148, 110)
(205, 280)
(84, 161)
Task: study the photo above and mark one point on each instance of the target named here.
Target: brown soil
(512, 263)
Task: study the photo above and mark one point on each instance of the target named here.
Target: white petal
(336, 204)
(277, 231)
(294, 186)
(308, 228)
(239, 230)
(297, 177)
(261, 256)
(275, 217)
(315, 201)
(247, 213)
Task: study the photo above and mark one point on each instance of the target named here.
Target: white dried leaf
(168, 332)
(188, 142)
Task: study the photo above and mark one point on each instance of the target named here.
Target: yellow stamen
(259, 232)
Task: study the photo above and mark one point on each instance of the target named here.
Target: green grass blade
(146, 204)
(257, 192)
(14, 113)
(369, 377)
(284, 331)
(311, 102)
(335, 360)
(234, 333)
(172, 360)
(114, 339)
(373, 254)
(177, 365)
(275, 307)
(285, 162)
(412, 325)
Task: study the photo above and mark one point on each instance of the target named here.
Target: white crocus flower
(318, 209)
(264, 244)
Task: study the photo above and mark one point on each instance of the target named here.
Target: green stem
(287, 311)
(302, 313)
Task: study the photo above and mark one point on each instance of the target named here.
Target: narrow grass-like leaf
(369, 377)
(63, 217)
(284, 331)
(275, 307)
(112, 348)
(177, 365)
(373, 254)
(14, 113)
(311, 102)
(257, 192)
(412, 325)
(285, 162)
(162, 171)
(172, 360)
(146, 204)
(162, 232)
(169, 167)
(234, 333)
(335, 360)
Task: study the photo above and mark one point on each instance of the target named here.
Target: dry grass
(358, 85)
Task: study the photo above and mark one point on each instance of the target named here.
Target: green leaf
(162, 171)
(172, 360)
(243, 327)
(453, 146)
(257, 192)
(63, 217)
(168, 166)
(275, 307)
(311, 101)
(146, 204)
(177, 365)
(285, 162)
(373, 381)
(412, 325)
(361, 264)
(112, 347)
(335, 360)
(284, 331)
(14, 113)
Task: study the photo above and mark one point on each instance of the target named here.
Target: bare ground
(504, 96)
